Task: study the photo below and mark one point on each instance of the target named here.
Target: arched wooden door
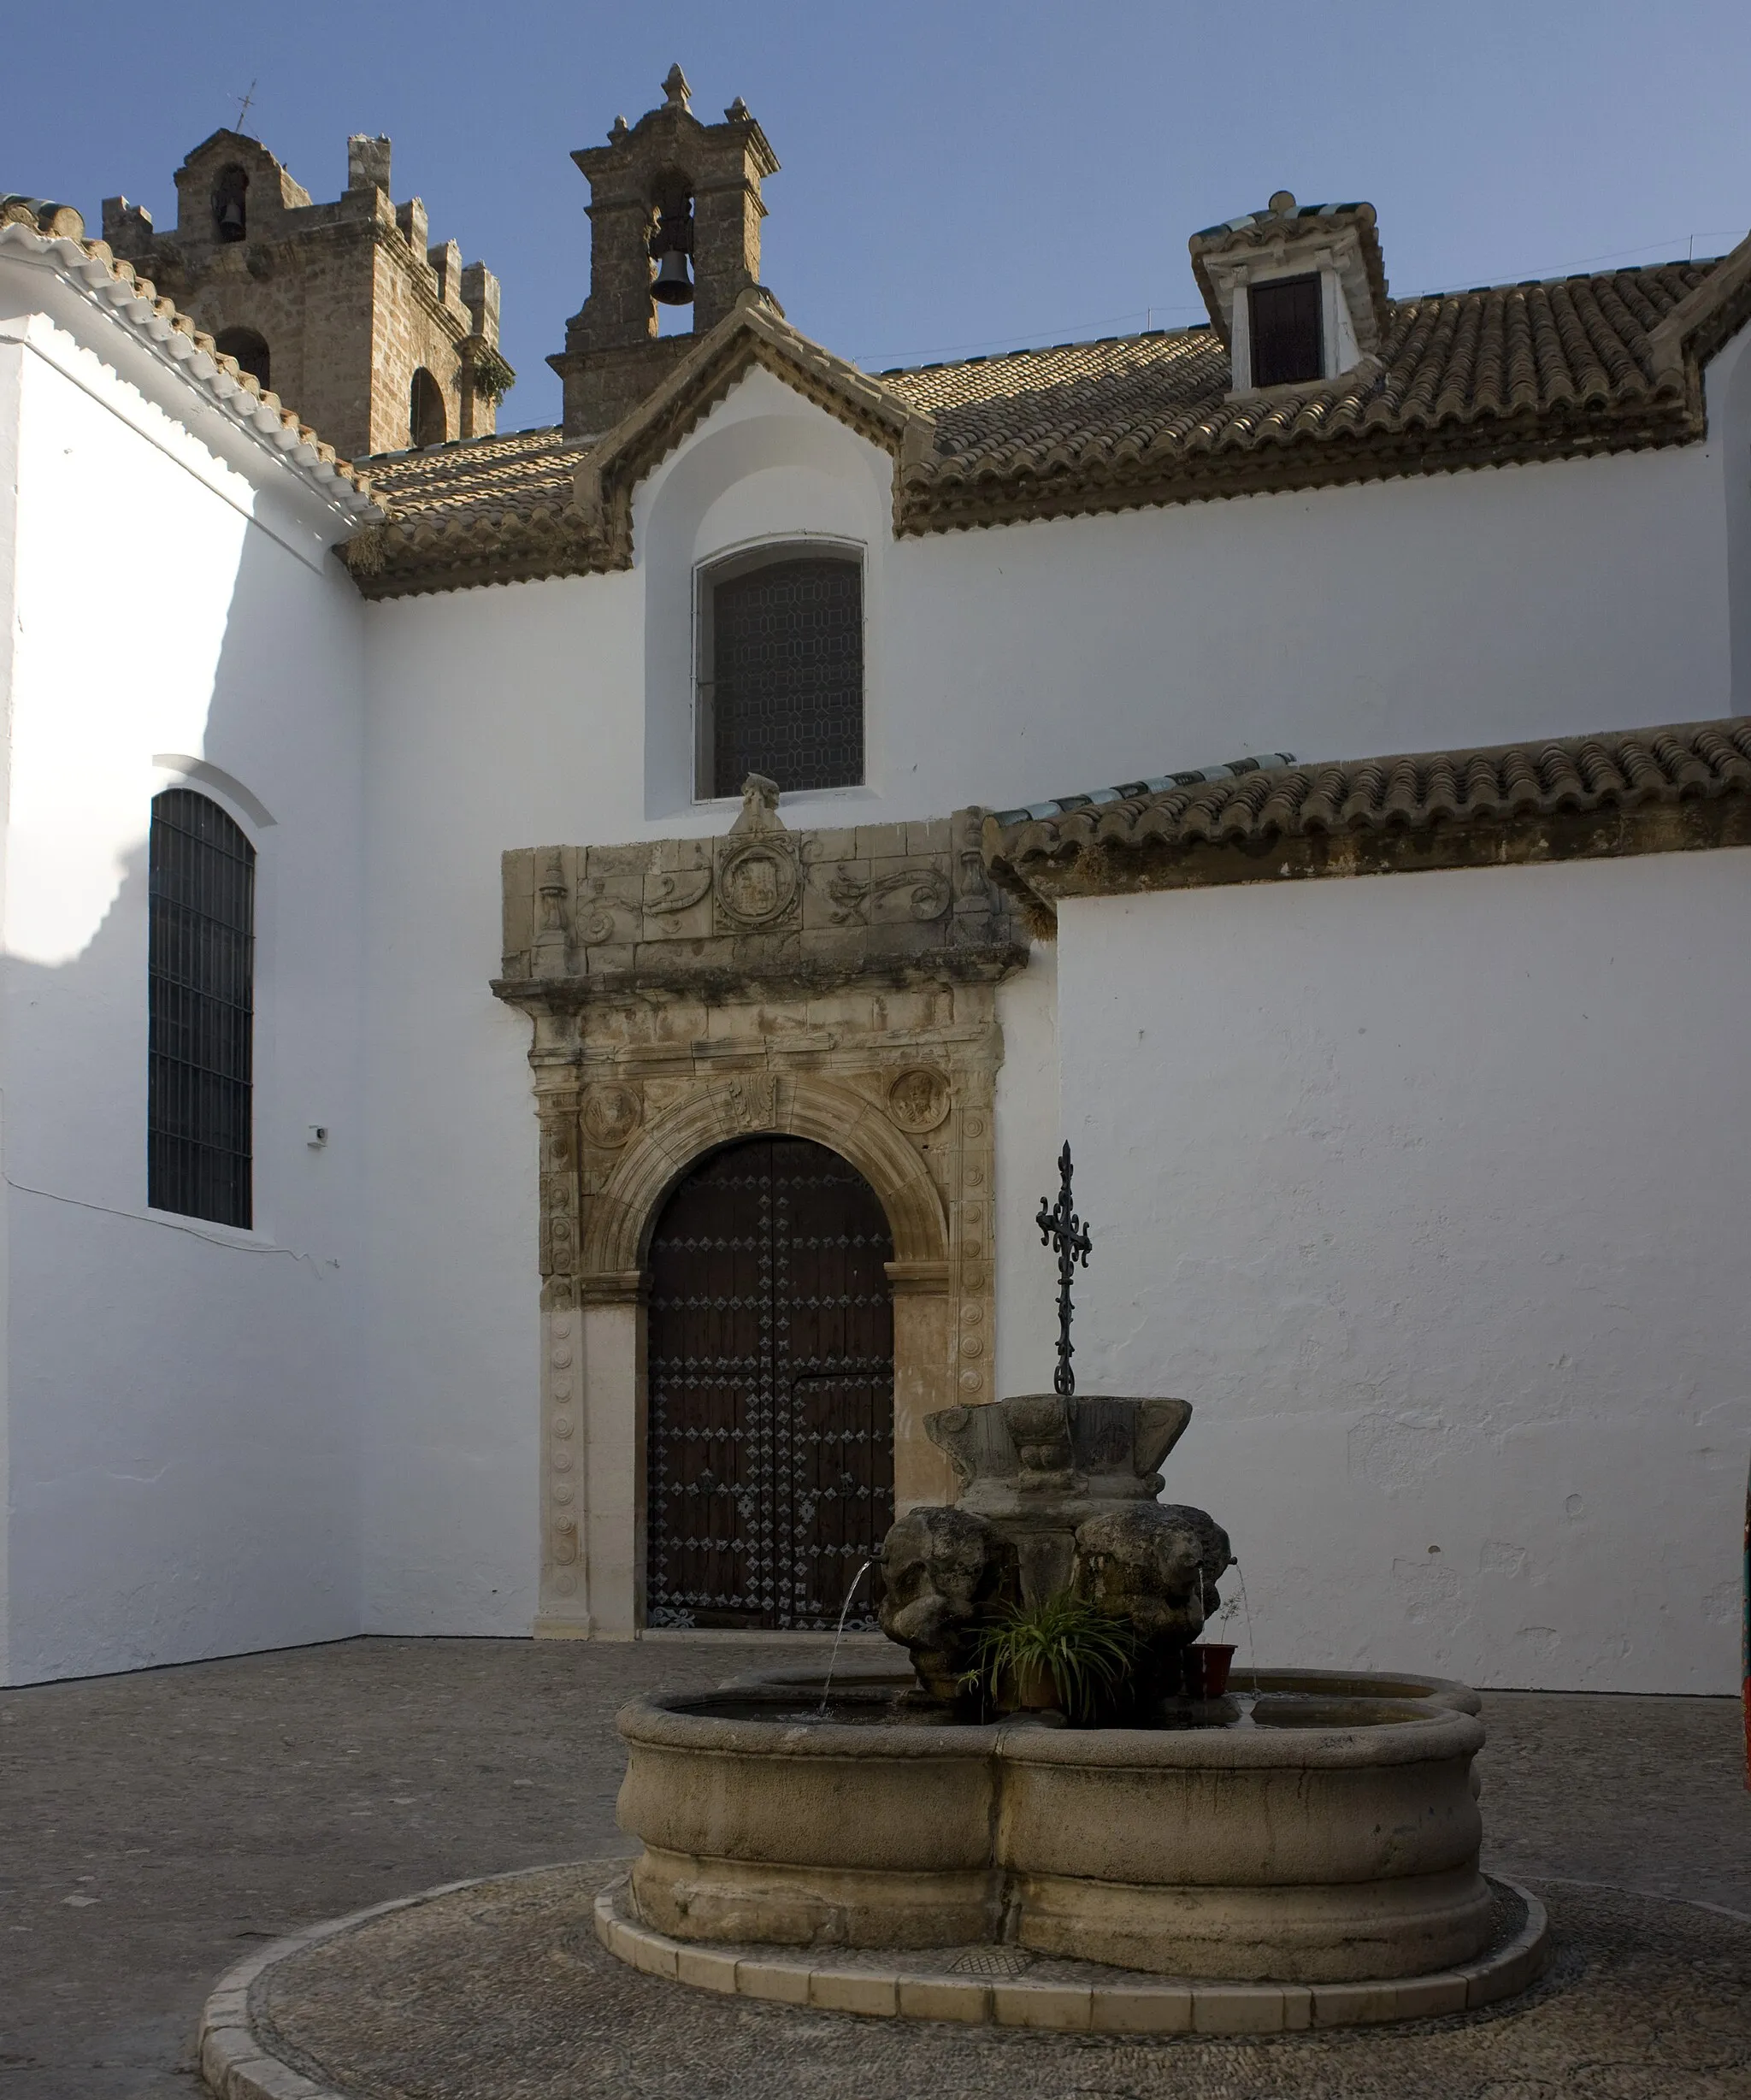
(769, 1456)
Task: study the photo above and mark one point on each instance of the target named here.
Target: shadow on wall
(181, 1396)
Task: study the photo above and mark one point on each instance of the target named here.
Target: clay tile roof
(1366, 815)
(1561, 369)
(494, 509)
(55, 233)
(1506, 371)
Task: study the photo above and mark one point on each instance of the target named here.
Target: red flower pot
(1207, 1665)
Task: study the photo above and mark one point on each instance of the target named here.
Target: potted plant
(1060, 1653)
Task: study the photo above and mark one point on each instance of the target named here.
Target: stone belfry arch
(613, 356)
(838, 986)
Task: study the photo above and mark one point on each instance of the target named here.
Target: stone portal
(836, 987)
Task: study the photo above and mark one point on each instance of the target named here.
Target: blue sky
(957, 178)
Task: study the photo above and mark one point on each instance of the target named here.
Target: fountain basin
(1335, 1839)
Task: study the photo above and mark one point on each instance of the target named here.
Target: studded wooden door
(770, 1370)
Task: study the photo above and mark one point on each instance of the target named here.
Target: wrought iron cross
(1061, 1226)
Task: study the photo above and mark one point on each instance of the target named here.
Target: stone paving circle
(501, 1990)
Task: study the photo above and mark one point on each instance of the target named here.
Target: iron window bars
(201, 974)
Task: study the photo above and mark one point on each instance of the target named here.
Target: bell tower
(674, 218)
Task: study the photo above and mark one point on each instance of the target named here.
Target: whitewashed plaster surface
(1002, 666)
(198, 1462)
(1428, 1192)
(181, 1398)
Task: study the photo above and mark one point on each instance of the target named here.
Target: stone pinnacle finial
(759, 811)
(675, 89)
(738, 111)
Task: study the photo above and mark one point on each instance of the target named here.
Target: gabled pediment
(752, 336)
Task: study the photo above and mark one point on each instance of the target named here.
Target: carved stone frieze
(838, 986)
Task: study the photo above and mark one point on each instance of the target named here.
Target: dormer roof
(1285, 234)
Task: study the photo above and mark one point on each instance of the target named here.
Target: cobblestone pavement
(503, 1991)
(154, 1828)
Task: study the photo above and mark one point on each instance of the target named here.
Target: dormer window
(1296, 291)
(1287, 328)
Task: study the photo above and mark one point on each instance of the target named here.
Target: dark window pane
(201, 986)
(788, 676)
(1287, 338)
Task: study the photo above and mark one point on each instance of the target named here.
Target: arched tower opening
(426, 418)
(249, 350)
(230, 203)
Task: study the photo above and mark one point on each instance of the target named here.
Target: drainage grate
(990, 1961)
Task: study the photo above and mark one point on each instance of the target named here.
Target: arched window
(426, 410)
(201, 973)
(248, 350)
(230, 218)
(784, 692)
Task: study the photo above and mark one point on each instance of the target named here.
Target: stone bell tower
(378, 337)
(666, 193)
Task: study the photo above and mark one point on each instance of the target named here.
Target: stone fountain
(1313, 1838)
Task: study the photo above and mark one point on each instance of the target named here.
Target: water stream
(844, 1612)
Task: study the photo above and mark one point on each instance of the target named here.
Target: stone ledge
(929, 1986)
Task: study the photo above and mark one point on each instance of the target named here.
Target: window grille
(201, 972)
(786, 695)
(1287, 331)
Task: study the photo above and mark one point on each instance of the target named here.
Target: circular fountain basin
(1328, 1835)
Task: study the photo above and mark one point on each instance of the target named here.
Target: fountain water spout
(844, 1612)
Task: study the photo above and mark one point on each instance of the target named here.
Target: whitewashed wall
(179, 1397)
(1004, 666)
(1428, 1191)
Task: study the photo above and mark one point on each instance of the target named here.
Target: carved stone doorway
(770, 1389)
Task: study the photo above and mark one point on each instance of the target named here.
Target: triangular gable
(752, 335)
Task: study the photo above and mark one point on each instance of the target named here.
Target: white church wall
(1004, 666)
(1428, 1191)
(498, 718)
(1028, 1139)
(180, 1396)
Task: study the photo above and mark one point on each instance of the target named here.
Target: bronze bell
(674, 286)
(231, 220)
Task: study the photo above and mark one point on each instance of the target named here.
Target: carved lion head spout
(1156, 1567)
(939, 1568)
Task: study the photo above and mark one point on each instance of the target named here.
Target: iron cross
(1061, 1226)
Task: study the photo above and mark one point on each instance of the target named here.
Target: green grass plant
(1088, 1654)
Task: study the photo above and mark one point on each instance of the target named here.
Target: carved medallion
(757, 883)
(918, 1098)
(609, 1113)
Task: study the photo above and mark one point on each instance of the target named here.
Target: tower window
(201, 976)
(230, 219)
(786, 693)
(248, 350)
(425, 423)
(1287, 331)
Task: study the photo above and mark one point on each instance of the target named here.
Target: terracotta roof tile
(1559, 369)
(1246, 823)
(1555, 350)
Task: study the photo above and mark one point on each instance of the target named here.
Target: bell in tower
(671, 247)
(674, 221)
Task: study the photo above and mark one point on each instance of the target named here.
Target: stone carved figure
(942, 1568)
(1149, 1564)
(1057, 1492)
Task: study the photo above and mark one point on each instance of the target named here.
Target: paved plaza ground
(154, 1828)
